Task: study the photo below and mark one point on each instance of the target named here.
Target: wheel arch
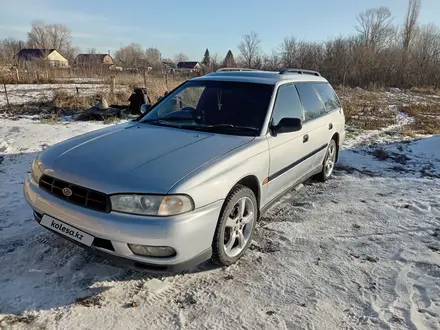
(337, 139)
(251, 181)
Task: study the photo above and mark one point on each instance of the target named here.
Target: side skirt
(268, 205)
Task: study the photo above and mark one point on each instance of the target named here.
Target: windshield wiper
(202, 127)
(229, 127)
(165, 119)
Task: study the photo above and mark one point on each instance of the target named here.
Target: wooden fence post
(112, 85)
(145, 78)
(7, 99)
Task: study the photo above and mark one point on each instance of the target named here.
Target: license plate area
(67, 230)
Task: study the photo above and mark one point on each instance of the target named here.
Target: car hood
(135, 157)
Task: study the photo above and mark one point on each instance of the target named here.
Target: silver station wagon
(187, 180)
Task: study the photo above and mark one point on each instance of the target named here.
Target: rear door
(315, 123)
(335, 116)
(286, 149)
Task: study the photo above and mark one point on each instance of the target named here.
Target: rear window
(327, 95)
(313, 107)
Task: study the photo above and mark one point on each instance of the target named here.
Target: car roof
(264, 77)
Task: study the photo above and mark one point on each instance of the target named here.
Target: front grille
(81, 196)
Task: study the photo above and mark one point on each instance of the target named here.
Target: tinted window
(199, 104)
(313, 107)
(327, 95)
(287, 104)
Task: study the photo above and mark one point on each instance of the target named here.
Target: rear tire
(235, 227)
(329, 162)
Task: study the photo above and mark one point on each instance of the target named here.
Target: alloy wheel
(239, 227)
(331, 159)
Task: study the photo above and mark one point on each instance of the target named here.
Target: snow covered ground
(23, 93)
(361, 251)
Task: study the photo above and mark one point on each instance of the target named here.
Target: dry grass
(406, 131)
(426, 90)
(62, 104)
(365, 110)
(426, 118)
(50, 120)
(157, 87)
(65, 76)
(27, 79)
(66, 101)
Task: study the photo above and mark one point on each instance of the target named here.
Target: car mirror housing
(287, 125)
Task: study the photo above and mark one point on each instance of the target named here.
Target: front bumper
(189, 234)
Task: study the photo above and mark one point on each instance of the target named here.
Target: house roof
(30, 53)
(186, 65)
(96, 58)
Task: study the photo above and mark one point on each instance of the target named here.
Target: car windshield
(218, 106)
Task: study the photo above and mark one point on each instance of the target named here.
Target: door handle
(330, 126)
(305, 138)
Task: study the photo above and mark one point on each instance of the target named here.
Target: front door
(286, 149)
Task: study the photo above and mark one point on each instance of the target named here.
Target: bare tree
(214, 64)
(180, 58)
(288, 52)
(249, 48)
(426, 56)
(375, 27)
(153, 58)
(410, 23)
(8, 48)
(48, 36)
(271, 62)
(131, 56)
(310, 55)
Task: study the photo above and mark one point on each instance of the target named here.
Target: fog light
(152, 251)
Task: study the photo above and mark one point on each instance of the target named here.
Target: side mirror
(287, 125)
(145, 107)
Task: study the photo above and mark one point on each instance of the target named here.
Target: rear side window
(327, 95)
(313, 107)
(287, 104)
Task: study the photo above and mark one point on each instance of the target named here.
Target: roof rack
(300, 71)
(235, 69)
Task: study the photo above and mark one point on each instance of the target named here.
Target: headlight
(154, 205)
(36, 170)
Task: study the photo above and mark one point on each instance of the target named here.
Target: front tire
(236, 225)
(329, 162)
